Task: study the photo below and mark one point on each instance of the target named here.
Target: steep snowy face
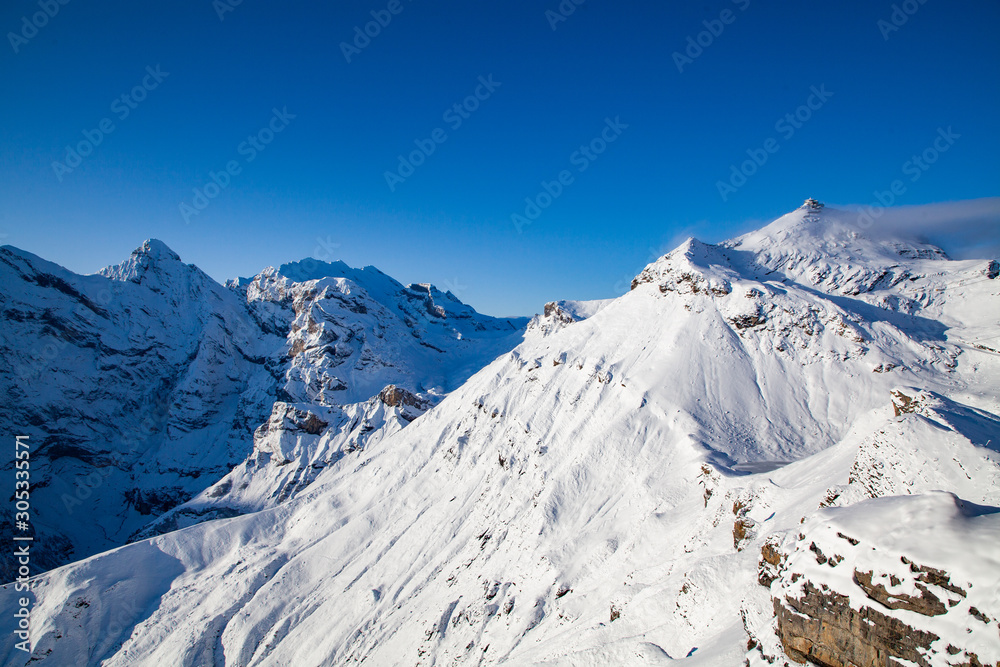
(580, 499)
(137, 386)
(144, 384)
(363, 357)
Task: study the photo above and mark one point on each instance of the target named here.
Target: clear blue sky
(321, 180)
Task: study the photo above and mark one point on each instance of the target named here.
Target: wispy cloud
(967, 229)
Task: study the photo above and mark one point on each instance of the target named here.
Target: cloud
(967, 229)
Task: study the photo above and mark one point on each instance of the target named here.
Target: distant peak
(156, 249)
(812, 205)
(314, 269)
(152, 256)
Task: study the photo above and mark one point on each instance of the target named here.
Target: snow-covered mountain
(693, 472)
(143, 385)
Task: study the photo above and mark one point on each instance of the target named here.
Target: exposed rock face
(926, 603)
(903, 404)
(291, 419)
(743, 530)
(395, 397)
(558, 315)
(747, 321)
(822, 628)
(848, 592)
(771, 562)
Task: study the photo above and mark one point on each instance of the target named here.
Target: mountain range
(780, 448)
(142, 386)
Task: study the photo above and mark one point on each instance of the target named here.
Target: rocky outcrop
(555, 316)
(823, 629)
(771, 562)
(848, 589)
(925, 603)
(743, 531)
(396, 397)
(903, 404)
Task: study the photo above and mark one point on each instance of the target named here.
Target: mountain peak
(314, 269)
(818, 231)
(156, 249)
(153, 255)
(811, 204)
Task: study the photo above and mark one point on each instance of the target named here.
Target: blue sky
(318, 185)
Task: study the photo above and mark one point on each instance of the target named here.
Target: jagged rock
(291, 419)
(926, 603)
(557, 315)
(881, 607)
(747, 321)
(743, 531)
(771, 562)
(394, 396)
(553, 310)
(903, 404)
(823, 629)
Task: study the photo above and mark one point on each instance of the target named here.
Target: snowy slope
(583, 499)
(144, 384)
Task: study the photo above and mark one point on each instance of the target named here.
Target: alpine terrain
(779, 449)
(149, 385)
